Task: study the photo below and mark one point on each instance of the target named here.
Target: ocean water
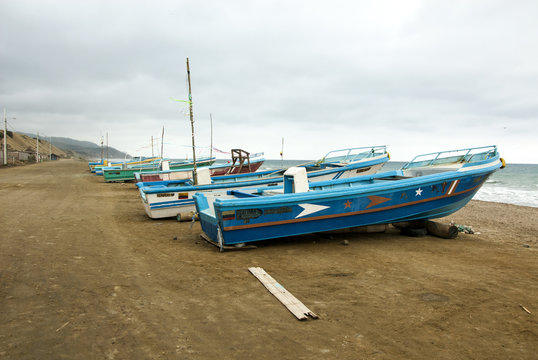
(515, 184)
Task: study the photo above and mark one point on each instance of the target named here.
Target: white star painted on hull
(310, 209)
(419, 192)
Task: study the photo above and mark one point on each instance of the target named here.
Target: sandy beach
(85, 274)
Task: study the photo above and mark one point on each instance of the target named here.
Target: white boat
(175, 198)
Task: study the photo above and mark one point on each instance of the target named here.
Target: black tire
(414, 232)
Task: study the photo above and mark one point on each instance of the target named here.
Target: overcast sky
(418, 76)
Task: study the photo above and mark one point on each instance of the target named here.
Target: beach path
(84, 274)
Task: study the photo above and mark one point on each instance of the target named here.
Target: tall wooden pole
(37, 148)
(211, 148)
(5, 137)
(282, 154)
(192, 123)
(162, 142)
(152, 153)
(50, 147)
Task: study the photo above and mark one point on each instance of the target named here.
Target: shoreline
(501, 203)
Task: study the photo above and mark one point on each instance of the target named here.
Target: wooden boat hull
(254, 166)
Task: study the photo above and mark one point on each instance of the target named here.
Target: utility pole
(107, 148)
(5, 137)
(192, 124)
(102, 150)
(37, 148)
(50, 147)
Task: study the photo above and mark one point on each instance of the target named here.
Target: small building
(17, 156)
(22, 155)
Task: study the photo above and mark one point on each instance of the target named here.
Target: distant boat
(163, 199)
(430, 186)
(242, 162)
(126, 172)
(97, 166)
(93, 164)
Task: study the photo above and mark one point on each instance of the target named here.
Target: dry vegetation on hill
(20, 142)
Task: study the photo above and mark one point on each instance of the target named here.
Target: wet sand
(84, 274)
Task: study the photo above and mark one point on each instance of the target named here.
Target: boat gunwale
(367, 190)
(162, 188)
(214, 166)
(384, 156)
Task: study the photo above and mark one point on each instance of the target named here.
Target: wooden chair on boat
(240, 156)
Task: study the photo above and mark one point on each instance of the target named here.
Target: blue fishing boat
(93, 164)
(430, 186)
(163, 199)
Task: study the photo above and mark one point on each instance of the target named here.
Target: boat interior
(296, 179)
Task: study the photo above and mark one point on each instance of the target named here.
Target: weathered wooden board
(293, 304)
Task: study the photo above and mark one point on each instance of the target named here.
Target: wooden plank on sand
(293, 304)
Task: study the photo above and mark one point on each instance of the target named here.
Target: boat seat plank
(241, 194)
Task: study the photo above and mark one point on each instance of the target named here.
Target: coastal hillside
(60, 146)
(24, 143)
(86, 149)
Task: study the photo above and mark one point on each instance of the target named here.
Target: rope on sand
(464, 228)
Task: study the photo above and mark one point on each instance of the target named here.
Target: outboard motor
(165, 165)
(295, 180)
(203, 176)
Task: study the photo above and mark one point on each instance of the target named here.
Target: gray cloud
(416, 75)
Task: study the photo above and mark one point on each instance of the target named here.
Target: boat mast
(162, 142)
(102, 150)
(152, 154)
(282, 154)
(211, 148)
(192, 123)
